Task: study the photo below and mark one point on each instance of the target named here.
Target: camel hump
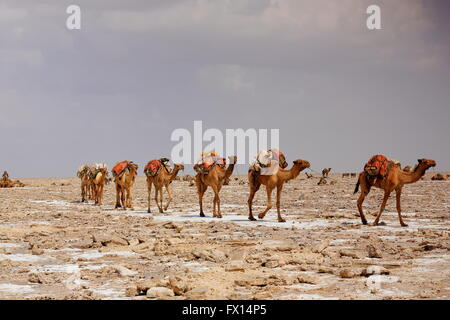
(152, 168)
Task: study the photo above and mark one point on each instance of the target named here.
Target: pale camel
(271, 182)
(395, 179)
(214, 179)
(84, 173)
(124, 184)
(100, 178)
(162, 179)
(325, 172)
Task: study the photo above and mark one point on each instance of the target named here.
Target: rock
(34, 278)
(324, 269)
(197, 294)
(215, 256)
(143, 286)
(172, 225)
(106, 239)
(235, 266)
(178, 285)
(346, 273)
(322, 246)
(307, 278)
(350, 253)
(36, 250)
(123, 271)
(271, 264)
(132, 291)
(133, 242)
(375, 270)
(256, 281)
(158, 292)
(373, 252)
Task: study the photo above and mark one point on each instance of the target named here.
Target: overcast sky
(137, 70)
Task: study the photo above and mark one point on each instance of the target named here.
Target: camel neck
(411, 177)
(291, 173)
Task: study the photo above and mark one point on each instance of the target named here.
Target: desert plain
(52, 246)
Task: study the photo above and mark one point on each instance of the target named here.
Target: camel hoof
(148, 211)
(202, 214)
(403, 224)
(260, 216)
(251, 219)
(364, 222)
(281, 220)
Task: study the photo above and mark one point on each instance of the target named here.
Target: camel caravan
(268, 168)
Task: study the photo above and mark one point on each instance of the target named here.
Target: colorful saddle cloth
(119, 167)
(380, 165)
(154, 166)
(208, 160)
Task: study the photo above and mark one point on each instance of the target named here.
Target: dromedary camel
(124, 182)
(325, 172)
(395, 179)
(161, 179)
(214, 179)
(98, 181)
(84, 173)
(271, 182)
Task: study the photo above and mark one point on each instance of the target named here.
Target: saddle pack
(154, 166)
(208, 160)
(379, 165)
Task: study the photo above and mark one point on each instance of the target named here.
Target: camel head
(133, 167)
(180, 166)
(303, 164)
(426, 163)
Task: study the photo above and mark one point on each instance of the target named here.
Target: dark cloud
(135, 72)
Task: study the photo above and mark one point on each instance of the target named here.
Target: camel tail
(356, 187)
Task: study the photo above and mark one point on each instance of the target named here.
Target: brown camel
(163, 178)
(99, 179)
(124, 182)
(214, 179)
(325, 172)
(84, 173)
(395, 179)
(271, 182)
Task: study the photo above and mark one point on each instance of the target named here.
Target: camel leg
(169, 192)
(269, 202)
(83, 193)
(219, 213)
(201, 191)
(279, 189)
(149, 190)
(118, 205)
(383, 205)
(398, 194)
(254, 187)
(156, 198)
(216, 199)
(365, 189)
(160, 205)
(123, 198)
(130, 199)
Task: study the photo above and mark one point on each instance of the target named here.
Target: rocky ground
(54, 247)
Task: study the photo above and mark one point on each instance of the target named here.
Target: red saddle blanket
(377, 165)
(208, 162)
(152, 167)
(119, 167)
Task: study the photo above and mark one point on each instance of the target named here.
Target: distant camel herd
(211, 171)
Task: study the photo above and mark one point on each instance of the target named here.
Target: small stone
(375, 270)
(346, 273)
(34, 278)
(306, 278)
(235, 266)
(123, 271)
(158, 292)
(36, 250)
(373, 252)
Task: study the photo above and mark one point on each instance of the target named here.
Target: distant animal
(325, 172)
(439, 177)
(84, 173)
(344, 175)
(353, 174)
(322, 181)
(381, 173)
(309, 176)
(99, 178)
